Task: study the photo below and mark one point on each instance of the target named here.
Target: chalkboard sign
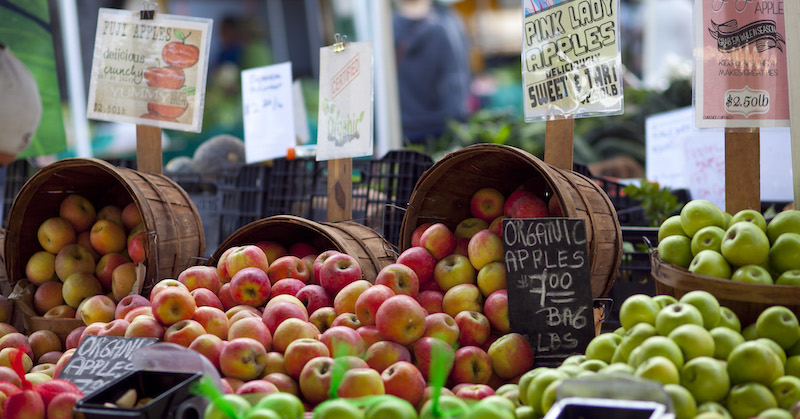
(98, 360)
(549, 288)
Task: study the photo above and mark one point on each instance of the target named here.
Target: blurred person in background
(20, 106)
(432, 68)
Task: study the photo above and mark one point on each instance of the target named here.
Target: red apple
(315, 379)
(370, 335)
(62, 405)
(288, 267)
(400, 278)
(131, 216)
(487, 204)
(554, 207)
(442, 326)
(213, 320)
(164, 284)
(439, 240)
(511, 355)
(383, 354)
(146, 311)
(289, 286)
(129, 303)
(426, 349)
(184, 332)
(79, 211)
(323, 318)
(283, 382)
(137, 248)
(301, 250)
(525, 204)
(291, 330)
(225, 296)
(277, 313)
(420, 260)
(49, 358)
(243, 358)
(300, 352)
(496, 310)
(222, 265)
(73, 338)
(319, 261)
(115, 327)
(251, 327)
(314, 297)
(475, 392)
(173, 304)
(248, 256)
(210, 346)
(369, 301)
(257, 386)
(273, 250)
(474, 328)
(402, 379)
(46, 297)
(203, 297)
(16, 340)
(250, 286)
(485, 247)
(145, 327)
(200, 277)
(431, 301)
(496, 226)
(401, 319)
(105, 268)
(348, 320)
(417, 233)
(338, 271)
(342, 340)
(471, 365)
(27, 404)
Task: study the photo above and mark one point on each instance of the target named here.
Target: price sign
(267, 103)
(98, 360)
(549, 289)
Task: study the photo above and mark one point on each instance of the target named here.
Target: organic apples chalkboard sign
(98, 360)
(549, 288)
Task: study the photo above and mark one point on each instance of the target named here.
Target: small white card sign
(680, 156)
(149, 72)
(267, 105)
(345, 102)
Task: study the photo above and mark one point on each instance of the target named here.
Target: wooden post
(558, 142)
(340, 189)
(742, 171)
(148, 149)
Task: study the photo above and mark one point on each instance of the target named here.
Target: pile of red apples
(273, 318)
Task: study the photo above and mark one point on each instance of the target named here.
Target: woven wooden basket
(372, 251)
(443, 193)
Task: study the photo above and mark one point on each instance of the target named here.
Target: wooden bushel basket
(442, 195)
(745, 299)
(368, 247)
(171, 221)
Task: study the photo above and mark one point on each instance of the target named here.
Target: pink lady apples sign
(741, 77)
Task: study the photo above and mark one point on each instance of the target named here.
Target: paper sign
(741, 78)
(99, 360)
(149, 72)
(571, 65)
(300, 115)
(679, 156)
(345, 102)
(549, 286)
(267, 105)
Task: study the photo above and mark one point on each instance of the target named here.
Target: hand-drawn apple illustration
(170, 77)
(180, 54)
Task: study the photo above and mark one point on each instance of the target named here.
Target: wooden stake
(742, 171)
(558, 142)
(148, 149)
(340, 190)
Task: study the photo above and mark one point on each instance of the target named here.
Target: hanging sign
(549, 286)
(741, 79)
(149, 71)
(571, 63)
(345, 101)
(267, 105)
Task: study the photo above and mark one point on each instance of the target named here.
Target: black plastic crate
(381, 189)
(170, 392)
(634, 270)
(14, 177)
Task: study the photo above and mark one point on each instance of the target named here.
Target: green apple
(786, 390)
(711, 263)
(500, 402)
(794, 349)
(700, 213)
(239, 405)
(710, 415)
(725, 340)
(671, 227)
(783, 253)
(750, 216)
(775, 348)
(790, 277)
(287, 405)
(655, 346)
(713, 407)
(659, 368)
(749, 332)
(535, 391)
(775, 413)
(620, 331)
(483, 410)
(676, 250)
(752, 274)
(729, 319)
(571, 370)
(779, 324)
(391, 407)
(706, 303)
(664, 300)
(694, 341)
(525, 412)
(618, 368)
(633, 338)
(593, 365)
(602, 347)
(337, 409)
(706, 378)
(549, 395)
(754, 361)
(728, 218)
(572, 359)
(527, 378)
(707, 238)
(638, 308)
(446, 404)
(257, 413)
(505, 388)
(683, 402)
(675, 315)
(745, 244)
(792, 366)
(784, 222)
(748, 400)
